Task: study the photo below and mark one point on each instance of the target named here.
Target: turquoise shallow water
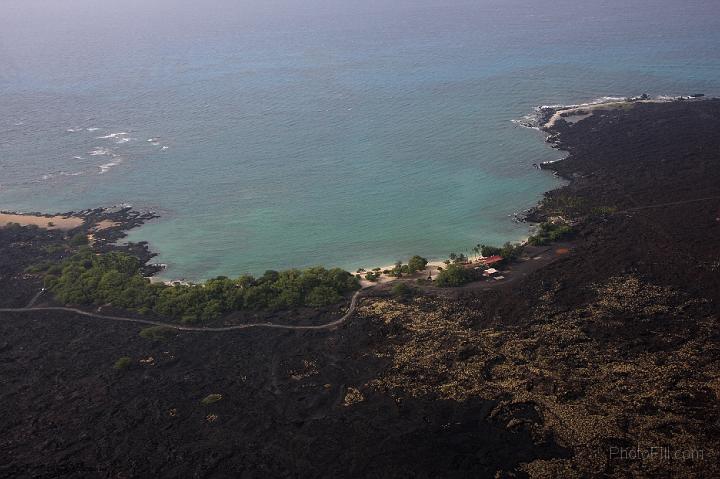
(297, 133)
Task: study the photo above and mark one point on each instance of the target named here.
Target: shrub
(54, 248)
(401, 290)
(602, 211)
(417, 263)
(550, 232)
(511, 251)
(122, 363)
(156, 333)
(397, 271)
(373, 276)
(79, 239)
(453, 276)
(39, 267)
(563, 204)
(211, 399)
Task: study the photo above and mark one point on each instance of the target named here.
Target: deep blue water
(290, 133)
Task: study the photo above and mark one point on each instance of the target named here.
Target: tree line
(115, 278)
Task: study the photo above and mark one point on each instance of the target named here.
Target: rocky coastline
(614, 347)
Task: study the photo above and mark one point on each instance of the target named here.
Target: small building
(491, 272)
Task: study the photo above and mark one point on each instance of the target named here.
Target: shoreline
(613, 344)
(106, 226)
(544, 117)
(548, 118)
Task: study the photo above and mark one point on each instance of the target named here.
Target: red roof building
(490, 260)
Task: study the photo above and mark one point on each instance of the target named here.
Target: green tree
(116, 278)
(211, 399)
(511, 251)
(397, 270)
(417, 263)
(550, 232)
(323, 296)
(453, 276)
(122, 363)
(401, 290)
(373, 276)
(259, 297)
(488, 251)
(156, 333)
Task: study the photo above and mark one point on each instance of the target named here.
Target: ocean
(277, 134)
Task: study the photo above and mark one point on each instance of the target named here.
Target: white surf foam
(100, 151)
(112, 135)
(104, 168)
(531, 121)
(50, 176)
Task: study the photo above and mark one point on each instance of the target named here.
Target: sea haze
(286, 134)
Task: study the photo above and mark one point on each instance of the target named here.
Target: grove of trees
(453, 276)
(115, 279)
(550, 232)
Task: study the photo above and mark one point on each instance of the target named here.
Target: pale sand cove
(431, 270)
(64, 223)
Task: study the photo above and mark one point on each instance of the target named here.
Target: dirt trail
(179, 327)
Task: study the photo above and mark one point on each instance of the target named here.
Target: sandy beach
(64, 223)
(431, 270)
